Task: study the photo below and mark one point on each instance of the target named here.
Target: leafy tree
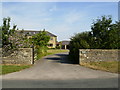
(6, 31)
(11, 39)
(100, 30)
(114, 36)
(41, 39)
(104, 33)
(40, 42)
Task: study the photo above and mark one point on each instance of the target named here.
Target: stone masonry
(20, 56)
(88, 55)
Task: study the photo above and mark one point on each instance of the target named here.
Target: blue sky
(64, 19)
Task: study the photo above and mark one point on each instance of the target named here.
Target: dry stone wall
(20, 56)
(88, 55)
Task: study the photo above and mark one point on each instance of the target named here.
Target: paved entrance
(55, 71)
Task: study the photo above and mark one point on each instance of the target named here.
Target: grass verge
(55, 51)
(111, 66)
(5, 69)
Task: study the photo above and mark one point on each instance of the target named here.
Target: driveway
(55, 71)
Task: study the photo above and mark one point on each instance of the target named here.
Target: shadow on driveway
(60, 58)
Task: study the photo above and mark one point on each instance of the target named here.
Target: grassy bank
(54, 51)
(111, 66)
(5, 69)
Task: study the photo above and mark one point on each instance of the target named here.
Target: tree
(105, 34)
(100, 30)
(6, 31)
(11, 39)
(41, 39)
(114, 36)
(40, 42)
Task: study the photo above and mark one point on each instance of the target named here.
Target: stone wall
(20, 56)
(88, 55)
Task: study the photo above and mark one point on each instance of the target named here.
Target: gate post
(32, 62)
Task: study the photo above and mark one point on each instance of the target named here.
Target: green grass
(5, 69)
(50, 52)
(54, 51)
(111, 66)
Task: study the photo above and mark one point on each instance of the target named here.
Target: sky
(63, 19)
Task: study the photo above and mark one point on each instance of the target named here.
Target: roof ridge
(49, 33)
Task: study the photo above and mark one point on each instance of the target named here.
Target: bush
(78, 41)
(57, 47)
(40, 42)
(40, 52)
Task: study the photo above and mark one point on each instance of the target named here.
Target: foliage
(40, 52)
(41, 39)
(104, 35)
(20, 40)
(80, 40)
(113, 39)
(40, 42)
(6, 32)
(12, 39)
(57, 47)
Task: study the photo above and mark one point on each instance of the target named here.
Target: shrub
(78, 41)
(57, 47)
(40, 42)
(40, 52)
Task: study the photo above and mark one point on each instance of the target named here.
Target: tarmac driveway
(55, 71)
